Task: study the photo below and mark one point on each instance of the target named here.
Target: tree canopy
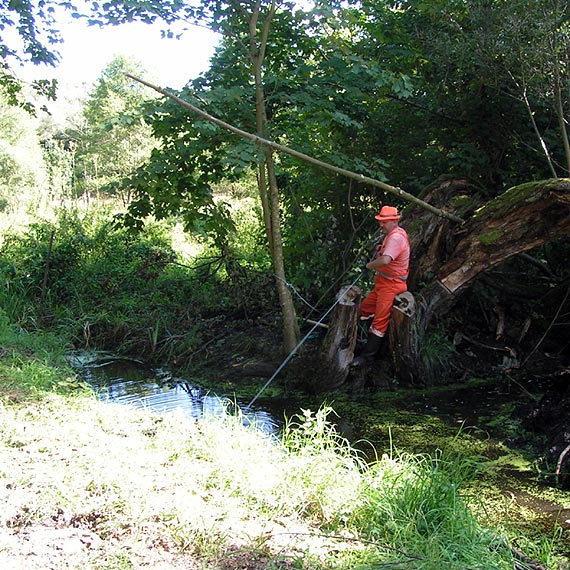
(29, 34)
(402, 92)
(114, 139)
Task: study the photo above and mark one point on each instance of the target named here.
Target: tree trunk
(522, 218)
(290, 325)
(268, 190)
(337, 350)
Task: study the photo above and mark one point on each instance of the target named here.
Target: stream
(132, 383)
(415, 420)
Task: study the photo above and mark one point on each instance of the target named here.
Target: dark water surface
(131, 383)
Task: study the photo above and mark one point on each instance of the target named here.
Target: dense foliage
(400, 91)
(103, 286)
(406, 92)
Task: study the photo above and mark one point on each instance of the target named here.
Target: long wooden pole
(305, 157)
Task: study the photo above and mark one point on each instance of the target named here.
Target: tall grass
(437, 352)
(413, 503)
(402, 509)
(104, 286)
(33, 362)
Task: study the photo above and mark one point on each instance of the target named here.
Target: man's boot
(373, 343)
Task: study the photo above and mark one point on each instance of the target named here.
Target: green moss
(489, 238)
(529, 192)
(462, 204)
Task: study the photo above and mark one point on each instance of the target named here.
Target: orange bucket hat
(388, 214)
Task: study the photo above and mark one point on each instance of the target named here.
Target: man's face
(387, 227)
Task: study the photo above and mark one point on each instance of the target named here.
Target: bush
(108, 287)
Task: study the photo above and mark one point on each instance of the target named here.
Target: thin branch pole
(539, 136)
(258, 140)
(548, 328)
(560, 461)
(560, 114)
(46, 269)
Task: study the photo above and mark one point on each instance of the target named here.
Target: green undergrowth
(33, 363)
(144, 293)
(216, 492)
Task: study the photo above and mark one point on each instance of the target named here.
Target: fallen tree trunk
(522, 218)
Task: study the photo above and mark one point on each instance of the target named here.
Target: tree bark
(337, 350)
(268, 189)
(522, 218)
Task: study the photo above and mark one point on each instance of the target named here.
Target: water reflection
(131, 383)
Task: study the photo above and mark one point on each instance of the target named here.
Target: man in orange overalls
(391, 265)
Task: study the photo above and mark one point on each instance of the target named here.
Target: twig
(461, 336)
(317, 323)
(532, 396)
(523, 562)
(549, 327)
(537, 263)
(560, 460)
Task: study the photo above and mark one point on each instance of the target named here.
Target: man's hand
(379, 262)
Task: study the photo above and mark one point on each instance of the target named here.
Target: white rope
(294, 289)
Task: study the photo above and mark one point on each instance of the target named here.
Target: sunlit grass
(217, 488)
(208, 487)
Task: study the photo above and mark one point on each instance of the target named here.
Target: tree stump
(402, 338)
(337, 351)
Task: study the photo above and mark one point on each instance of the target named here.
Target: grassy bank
(87, 485)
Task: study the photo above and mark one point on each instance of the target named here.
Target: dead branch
(554, 319)
(276, 146)
(561, 457)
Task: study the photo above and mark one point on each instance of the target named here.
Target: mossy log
(522, 218)
(449, 257)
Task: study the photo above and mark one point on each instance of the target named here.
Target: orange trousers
(379, 301)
